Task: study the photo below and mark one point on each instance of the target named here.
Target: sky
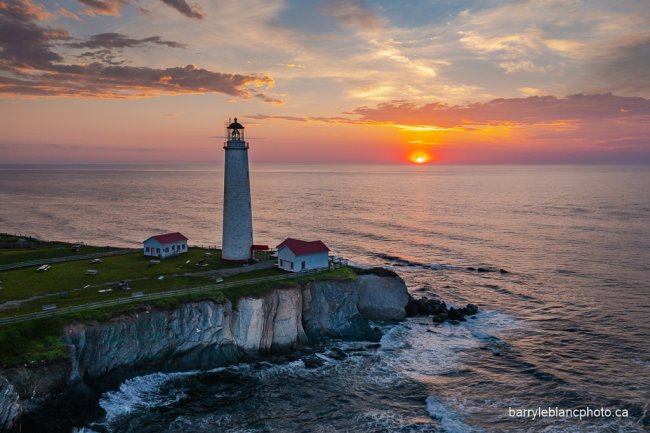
(429, 81)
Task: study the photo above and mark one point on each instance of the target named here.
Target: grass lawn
(259, 289)
(16, 255)
(15, 249)
(71, 277)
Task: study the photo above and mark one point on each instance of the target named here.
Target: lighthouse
(237, 237)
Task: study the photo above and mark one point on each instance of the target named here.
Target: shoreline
(272, 322)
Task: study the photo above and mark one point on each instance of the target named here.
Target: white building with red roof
(167, 245)
(295, 255)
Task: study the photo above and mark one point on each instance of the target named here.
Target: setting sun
(420, 158)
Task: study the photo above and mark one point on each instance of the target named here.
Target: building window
(183, 246)
(158, 250)
(304, 265)
(146, 249)
(292, 266)
(167, 249)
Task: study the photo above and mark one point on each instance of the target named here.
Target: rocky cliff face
(207, 334)
(10, 407)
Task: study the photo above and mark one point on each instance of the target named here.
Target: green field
(68, 284)
(25, 255)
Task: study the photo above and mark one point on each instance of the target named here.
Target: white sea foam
(140, 392)
(420, 348)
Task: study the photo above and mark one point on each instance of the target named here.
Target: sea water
(567, 327)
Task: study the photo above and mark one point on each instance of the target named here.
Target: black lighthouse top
(235, 131)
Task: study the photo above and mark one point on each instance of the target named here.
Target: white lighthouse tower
(237, 214)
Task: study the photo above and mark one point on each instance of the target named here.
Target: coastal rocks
(206, 334)
(195, 335)
(454, 314)
(269, 324)
(438, 310)
(382, 298)
(313, 361)
(337, 354)
(330, 309)
(470, 310)
(425, 307)
(10, 407)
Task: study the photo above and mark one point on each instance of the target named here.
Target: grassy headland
(66, 284)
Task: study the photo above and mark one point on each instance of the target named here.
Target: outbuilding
(295, 255)
(167, 245)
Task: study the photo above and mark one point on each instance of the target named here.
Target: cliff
(202, 334)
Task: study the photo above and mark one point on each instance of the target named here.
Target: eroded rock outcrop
(382, 297)
(10, 407)
(207, 334)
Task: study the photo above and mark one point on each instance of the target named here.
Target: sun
(420, 157)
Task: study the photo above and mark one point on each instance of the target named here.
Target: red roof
(258, 247)
(169, 238)
(301, 248)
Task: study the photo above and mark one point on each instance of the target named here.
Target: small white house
(295, 255)
(170, 244)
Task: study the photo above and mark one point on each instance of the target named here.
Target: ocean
(567, 328)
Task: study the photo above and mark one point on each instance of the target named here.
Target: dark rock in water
(454, 314)
(424, 307)
(411, 309)
(503, 271)
(373, 346)
(378, 271)
(313, 362)
(483, 270)
(338, 354)
(471, 269)
(438, 310)
(454, 322)
(440, 317)
(471, 309)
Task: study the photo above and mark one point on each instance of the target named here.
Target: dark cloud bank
(114, 7)
(31, 65)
